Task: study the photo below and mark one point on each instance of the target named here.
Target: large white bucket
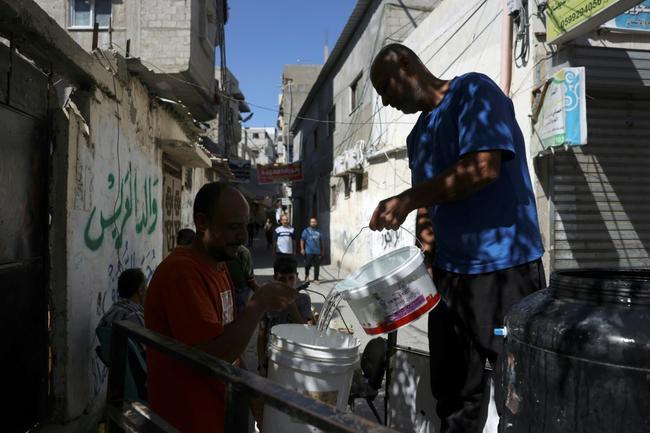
(320, 367)
(390, 291)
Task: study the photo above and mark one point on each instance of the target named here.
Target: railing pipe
(296, 405)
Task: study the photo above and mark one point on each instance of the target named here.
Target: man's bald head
(391, 56)
(215, 195)
(398, 76)
(220, 214)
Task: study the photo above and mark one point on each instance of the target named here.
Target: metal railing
(249, 385)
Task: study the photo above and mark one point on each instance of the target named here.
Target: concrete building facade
(224, 131)
(297, 81)
(258, 145)
(173, 37)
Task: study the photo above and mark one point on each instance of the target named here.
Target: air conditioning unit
(353, 159)
(339, 166)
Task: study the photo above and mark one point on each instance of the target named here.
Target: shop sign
(561, 114)
(635, 20)
(277, 173)
(568, 19)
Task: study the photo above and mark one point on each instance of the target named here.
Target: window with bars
(84, 13)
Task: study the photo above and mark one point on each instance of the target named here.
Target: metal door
(23, 300)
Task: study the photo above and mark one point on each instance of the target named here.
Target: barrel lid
(625, 286)
(386, 270)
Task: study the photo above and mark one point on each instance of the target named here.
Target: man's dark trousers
(461, 339)
(312, 260)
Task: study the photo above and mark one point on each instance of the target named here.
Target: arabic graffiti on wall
(142, 210)
(390, 239)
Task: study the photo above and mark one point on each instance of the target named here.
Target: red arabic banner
(279, 173)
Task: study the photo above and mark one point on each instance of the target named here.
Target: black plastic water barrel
(577, 355)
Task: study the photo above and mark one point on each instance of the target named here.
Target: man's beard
(220, 253)
(410, 104)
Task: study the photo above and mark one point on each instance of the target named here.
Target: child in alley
(285, 270)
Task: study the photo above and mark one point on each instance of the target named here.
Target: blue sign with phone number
(637, 19)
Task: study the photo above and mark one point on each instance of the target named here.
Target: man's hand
(275, 296)
(302, 252)
(391, 212)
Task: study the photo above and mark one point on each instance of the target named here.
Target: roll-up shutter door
(601, 191)
(612, 68)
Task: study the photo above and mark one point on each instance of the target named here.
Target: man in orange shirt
(190, 299)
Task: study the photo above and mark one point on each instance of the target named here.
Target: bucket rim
(347, 360)
(313, 346)
(312, 365)
(362, 291)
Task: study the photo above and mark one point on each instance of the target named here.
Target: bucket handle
(338, 275)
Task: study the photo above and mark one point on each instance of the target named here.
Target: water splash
(330, 306)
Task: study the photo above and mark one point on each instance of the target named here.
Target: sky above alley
(264, 35)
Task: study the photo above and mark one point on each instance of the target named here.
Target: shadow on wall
(600, 190)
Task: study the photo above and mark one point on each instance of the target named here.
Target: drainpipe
(506, 49)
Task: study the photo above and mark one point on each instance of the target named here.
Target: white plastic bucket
(390, 291)
(320, 367)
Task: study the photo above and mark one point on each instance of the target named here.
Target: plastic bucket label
(399, 304)
(415, 309)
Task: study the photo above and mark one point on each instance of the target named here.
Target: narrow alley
(473, 176)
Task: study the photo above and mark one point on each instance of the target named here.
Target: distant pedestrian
(131, 286)
(284, 238)
(312, 248)
(185, 237)
(278, 212)
(268, 232)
